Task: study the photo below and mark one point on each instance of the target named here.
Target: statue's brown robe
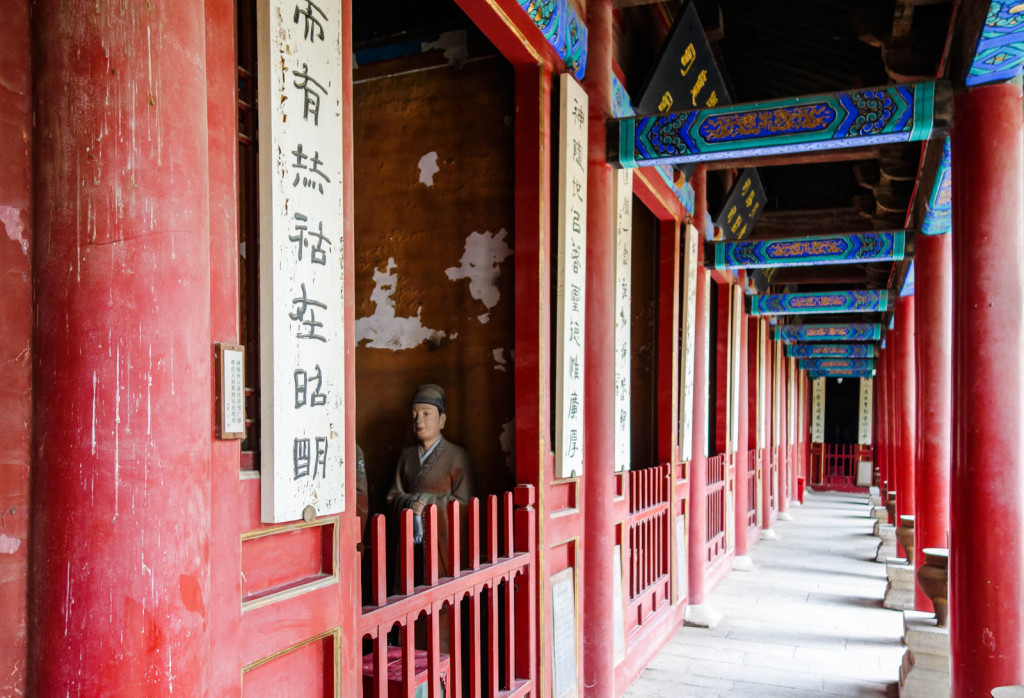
(444, 476)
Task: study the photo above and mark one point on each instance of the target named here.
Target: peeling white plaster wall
(499, 359)
(385, 330)
(453, 44)
(480, 264)
(428, 168)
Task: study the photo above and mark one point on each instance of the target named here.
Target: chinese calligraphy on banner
(818, 411)
(623, 310)
(301, 295)
(572, 263)
(689, 342)
(866, 405)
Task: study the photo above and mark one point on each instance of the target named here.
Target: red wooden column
(599, 449)
(934, 318)
(882, 420)
(987, 563)
(121, 510)
(783, 446)
(893, 408)
(906, 419)
(768, 447)
(742, 451)
(698, 612)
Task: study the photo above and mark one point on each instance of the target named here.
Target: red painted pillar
(987, 563)
(768, 448)
(882, 420)
(893, 408)
(120, 576)
(783, 445)
(934, 318)
(599, 477)
(698, 475)
(906, 419)
(742, 444)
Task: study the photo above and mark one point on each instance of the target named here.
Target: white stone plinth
(899, 593)
(875, 500)
(743, 563)
(874, 490)
(785, 516)
(887, 546)
(702, 616)
(925, 669)
(769, 534)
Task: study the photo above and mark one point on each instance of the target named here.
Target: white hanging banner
(762, 386)
(867, 386)
(736, 317)
(689, 327)
(623, 194)
(572, 268)
(302, 347)
(818, 411)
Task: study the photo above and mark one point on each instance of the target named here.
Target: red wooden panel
(305, 671)
(563, 496)
(286, 559)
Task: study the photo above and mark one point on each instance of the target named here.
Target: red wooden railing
(716, 507)
(835, 465)
(648, 530)
(752, 466)
(498, 586)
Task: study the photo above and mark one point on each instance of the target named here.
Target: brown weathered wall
(644, 338)
(422, 325)
(15, 339)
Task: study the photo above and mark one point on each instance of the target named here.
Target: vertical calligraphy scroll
(735, 318)
(572, 263)
(689, 327)
(866, 406)
(818, 411)
(623, 184)
(762, 386)
(302, 346)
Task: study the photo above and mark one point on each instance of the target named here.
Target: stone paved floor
(807, 622)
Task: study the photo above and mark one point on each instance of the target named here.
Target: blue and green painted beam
(999, 53)
(847, 248)
(833, 351)
(836, 332)
(850, 119)
(938, 217)
(840, 373)
(816, 303)
(835, 364)
(563, 29)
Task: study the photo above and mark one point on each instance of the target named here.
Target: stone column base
(875, 500)
(785, 516)
(702, 615)
(925, 668)
(743, 563)
(770, 534)
(899, 593)
(887, 546)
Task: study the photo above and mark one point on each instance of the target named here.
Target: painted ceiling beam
(839, 373)
(999, 53)
(938, 217)
(845, 248)
(563, 29)
(837, 120)
(828, 364)
(817, 303)
(837, 332)
(836, 351)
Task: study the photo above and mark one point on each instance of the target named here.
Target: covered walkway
(808, 621)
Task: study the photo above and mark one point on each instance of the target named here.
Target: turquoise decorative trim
(627, 132)
(622, 106)
(835, 351)
(816, 303)
(835, 364)
(999, 53)
(849, 248)
(938, 219)
(563, 29)
(908, 282)
(820, 122)
(845, 332)
(840, 373)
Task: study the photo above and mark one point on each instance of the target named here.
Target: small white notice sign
(563, 633)
(302, 348)
(230, 360)
(572, 271)
(682, 583)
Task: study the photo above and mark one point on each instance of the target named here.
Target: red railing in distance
(716, 507)
(752, 466)
(648, 529)
(495, 587)
(835, 465)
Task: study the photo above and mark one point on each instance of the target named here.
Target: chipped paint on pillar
(563, 29)
(999, 53)
(814, 303)
(829, 364)
(938, 217)
(838, 351)
(850, 248)
(855, 118)
(839, 332)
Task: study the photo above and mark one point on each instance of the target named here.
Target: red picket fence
(498, 592)
(834, 466)
(648, 530)
(752, 466)
(716, 507)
